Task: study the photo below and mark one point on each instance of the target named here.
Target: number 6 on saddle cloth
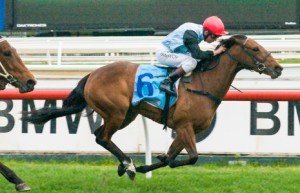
(146, 86)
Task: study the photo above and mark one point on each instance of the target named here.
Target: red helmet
(214, 25)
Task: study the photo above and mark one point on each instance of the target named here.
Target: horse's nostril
(278, 68)
(31, 82)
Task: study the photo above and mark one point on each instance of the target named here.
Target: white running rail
(87, 53)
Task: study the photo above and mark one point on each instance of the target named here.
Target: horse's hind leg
(13, 178)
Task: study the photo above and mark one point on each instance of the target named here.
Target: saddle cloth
(146, 86)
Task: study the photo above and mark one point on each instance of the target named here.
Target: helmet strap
(205, 34)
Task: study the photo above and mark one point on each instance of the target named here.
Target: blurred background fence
(69, 53)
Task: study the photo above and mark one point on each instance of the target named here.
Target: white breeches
(166, 57)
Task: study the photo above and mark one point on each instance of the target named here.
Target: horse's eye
(255, 49)
(7, 53)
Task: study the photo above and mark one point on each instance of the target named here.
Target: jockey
(180, 48)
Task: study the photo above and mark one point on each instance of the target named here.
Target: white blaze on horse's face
(261, 59)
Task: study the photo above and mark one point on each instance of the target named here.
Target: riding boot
(167, 84)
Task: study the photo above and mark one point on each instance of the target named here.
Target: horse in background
(14, 72)
(109, 91)
(12, 69)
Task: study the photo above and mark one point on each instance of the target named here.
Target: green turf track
(291, 61)
(75, 177)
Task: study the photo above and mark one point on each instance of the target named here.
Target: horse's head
(252, 56)
(12, 69)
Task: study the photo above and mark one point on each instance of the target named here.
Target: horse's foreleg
(188, 138)
(13, 178)
(103, 138)
(175, 148)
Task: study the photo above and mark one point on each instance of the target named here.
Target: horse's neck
(218, 80)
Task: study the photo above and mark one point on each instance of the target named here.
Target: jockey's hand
(220, 50)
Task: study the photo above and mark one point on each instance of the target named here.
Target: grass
(289, 61)
(74, 177)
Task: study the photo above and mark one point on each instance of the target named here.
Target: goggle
(213, 36)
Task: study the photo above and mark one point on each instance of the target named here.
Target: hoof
(22, 187)
(129, 168)
(131, 174)
(121, 170)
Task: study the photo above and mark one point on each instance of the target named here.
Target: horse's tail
(74, 103)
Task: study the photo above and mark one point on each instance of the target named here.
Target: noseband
(259, 65)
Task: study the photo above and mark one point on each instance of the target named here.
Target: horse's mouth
(23, 88)
(273, 73)
(276, 73)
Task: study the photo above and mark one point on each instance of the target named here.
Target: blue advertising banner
(2, 15)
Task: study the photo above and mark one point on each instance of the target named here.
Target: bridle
(8, 77)
(258, 65)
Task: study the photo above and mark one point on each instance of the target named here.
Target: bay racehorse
(14, 72)
(109, 91)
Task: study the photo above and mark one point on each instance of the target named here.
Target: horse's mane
(231, 41)
(228, 43)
